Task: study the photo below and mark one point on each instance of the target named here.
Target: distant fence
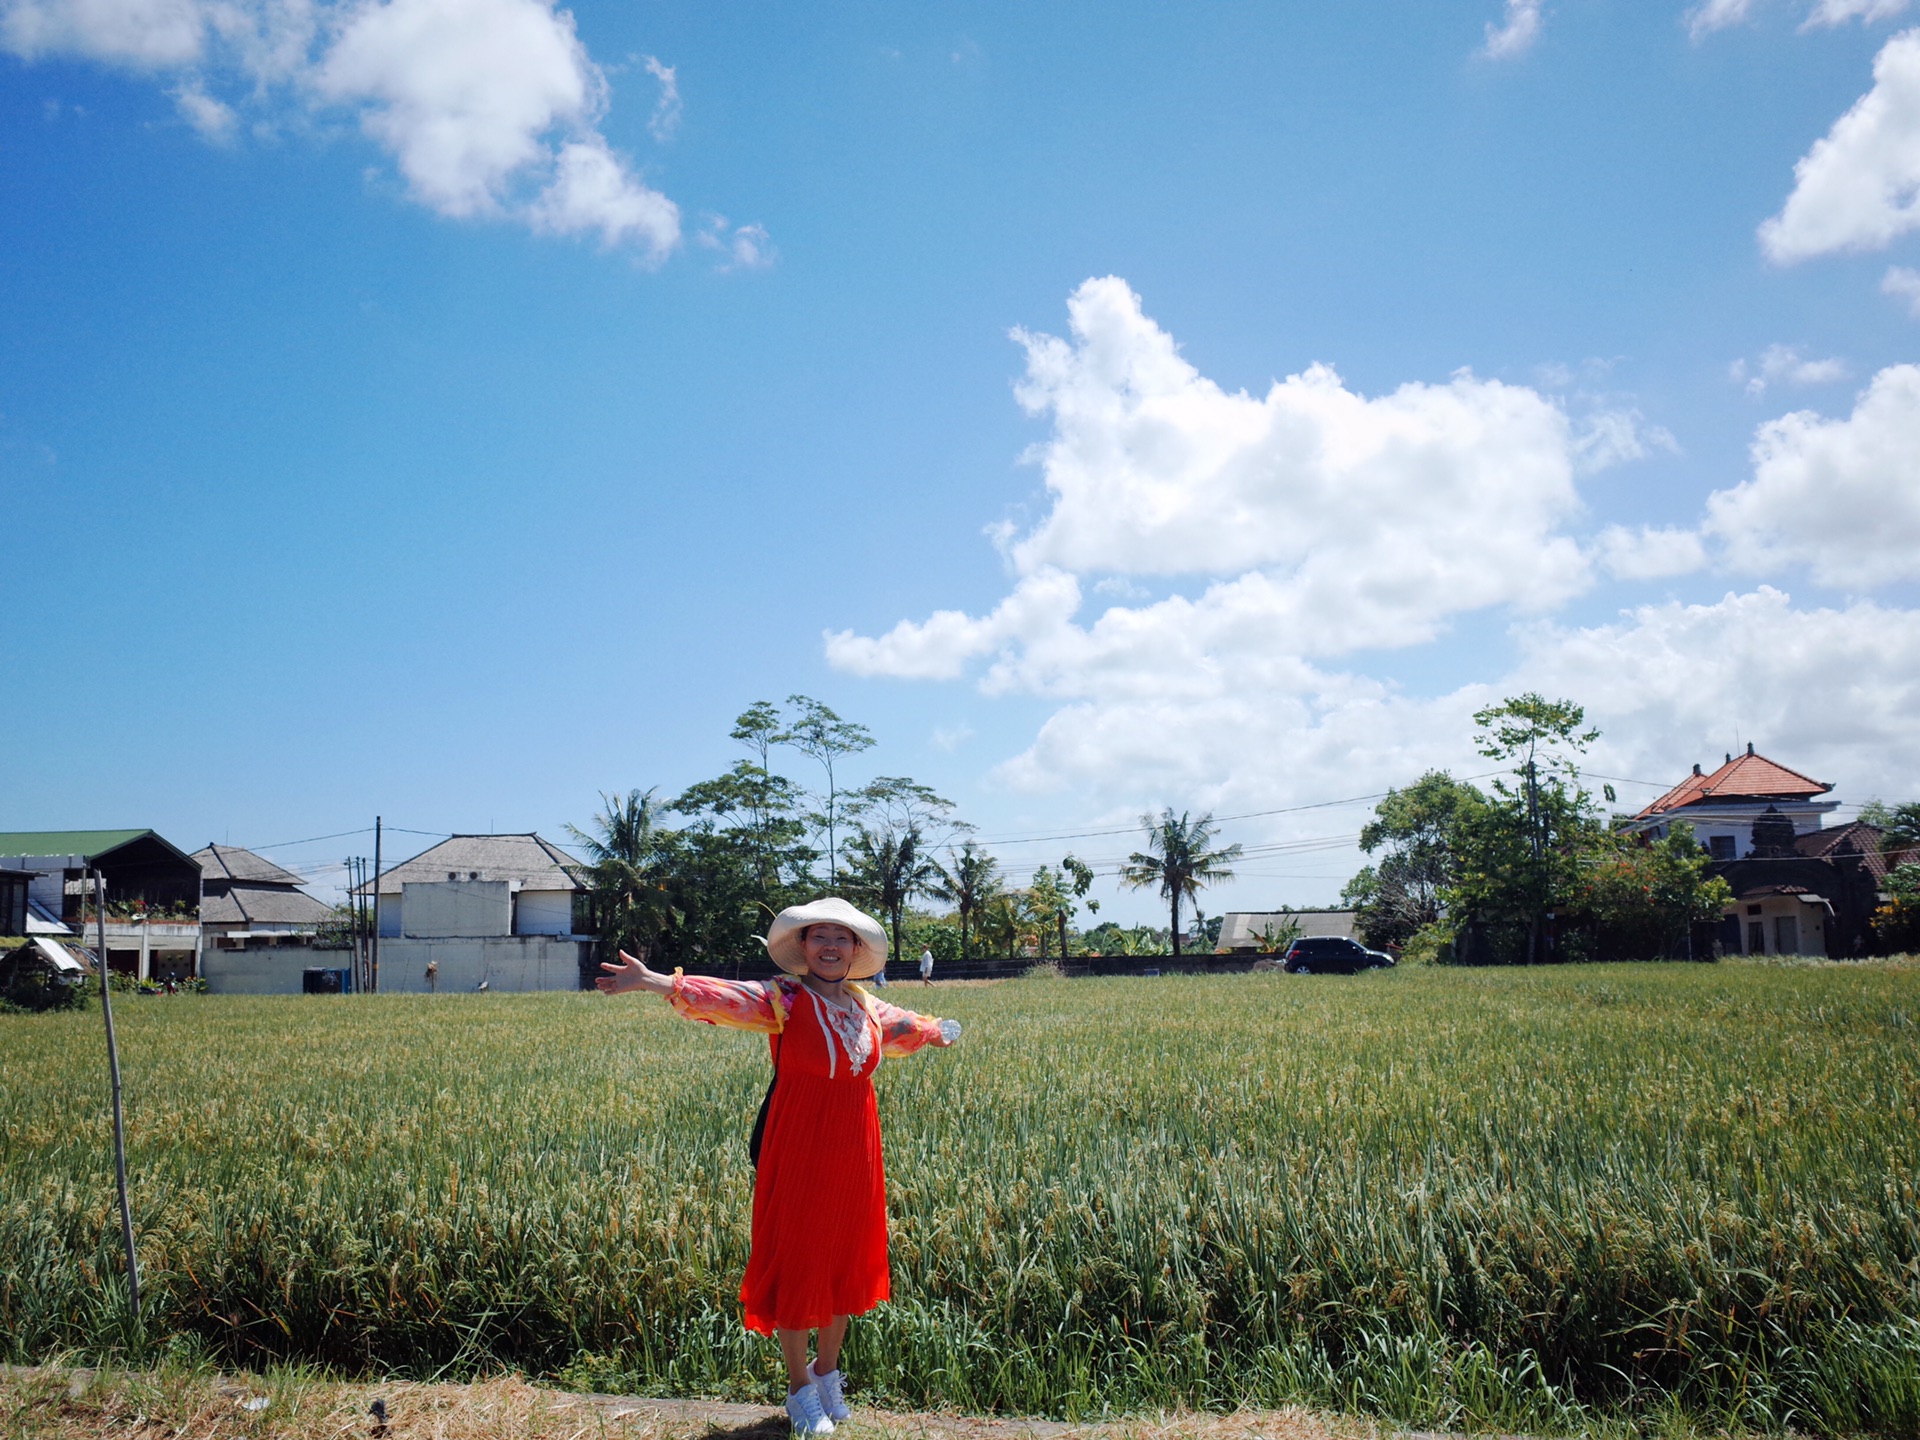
(1007, 967)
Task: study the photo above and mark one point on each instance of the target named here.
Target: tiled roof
(529, 861)
(1747, 776)
(245, 904)
(230, 862)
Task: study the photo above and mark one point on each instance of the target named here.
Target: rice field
(1651, 1197)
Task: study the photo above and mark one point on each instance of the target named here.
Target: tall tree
(1520, 855)
(761, 811)
(1050, 903)
(967, 881)
(821, 735)
(1178, 860)
(631, 901)
(1418, 829)
(888, 867)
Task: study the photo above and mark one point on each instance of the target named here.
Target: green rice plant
(1656, 1197)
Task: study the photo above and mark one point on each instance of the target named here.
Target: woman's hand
(631, 974)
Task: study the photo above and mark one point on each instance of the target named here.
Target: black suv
(1332, 955)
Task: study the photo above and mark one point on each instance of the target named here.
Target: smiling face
(829, 950)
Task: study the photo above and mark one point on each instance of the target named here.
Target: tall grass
(1518, 1200)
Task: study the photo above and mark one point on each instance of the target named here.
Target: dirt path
(60, 1403)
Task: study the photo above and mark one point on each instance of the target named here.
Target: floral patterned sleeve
(902, 1031)
(755, 1005)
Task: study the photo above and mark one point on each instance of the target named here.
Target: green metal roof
(88, 843)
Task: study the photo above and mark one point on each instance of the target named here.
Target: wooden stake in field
(119, 1122)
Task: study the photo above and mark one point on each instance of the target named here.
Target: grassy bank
(1526, 1200)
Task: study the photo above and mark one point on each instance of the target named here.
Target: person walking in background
(926, 965)
(819, 1251)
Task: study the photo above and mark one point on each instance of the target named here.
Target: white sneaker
(803, 1409)
(833, 1398)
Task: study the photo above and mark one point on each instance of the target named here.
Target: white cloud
(1607, 438)
(1322, 522)
(666, 110)
(214, 119)
(1517, 31)
(1649, 553)
(1712, 15)
(490, 108)
(1829, 13)
(1829, 691)
(592, 190)
(745, 247)
(1784, 364)
(147, 34)
(1858, 187)
(1841, 497)
(1153, 469)
(1904, 283)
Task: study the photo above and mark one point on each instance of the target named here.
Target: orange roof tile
(1747, 775)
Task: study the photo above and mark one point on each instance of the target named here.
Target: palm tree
(1178, 861)
(886, 866)
(631, 906)
(972, 879)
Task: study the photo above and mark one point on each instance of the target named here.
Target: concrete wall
(504, 962)
(269, 970)
(543, 912)
(465, 908)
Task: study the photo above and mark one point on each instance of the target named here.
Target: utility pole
(1533, 842)
(119, 1123)
(374, 968)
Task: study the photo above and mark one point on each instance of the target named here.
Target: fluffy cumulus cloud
(489, 108)
(1840, 497)
(1858, 188)
(1317, 520)
(1302, 527)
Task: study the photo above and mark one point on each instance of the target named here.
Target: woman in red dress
(820, 1150)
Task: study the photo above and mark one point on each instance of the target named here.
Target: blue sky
(453, 409)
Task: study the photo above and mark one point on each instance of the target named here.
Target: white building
(1723, 806)
(474, 910)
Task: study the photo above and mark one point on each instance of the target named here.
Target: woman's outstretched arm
(904, 1031)
(737, 1005)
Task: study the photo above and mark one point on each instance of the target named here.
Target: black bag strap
(766, 1102)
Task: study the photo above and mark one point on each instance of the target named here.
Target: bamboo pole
(119, 1121)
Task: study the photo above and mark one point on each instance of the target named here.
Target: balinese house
(152, 894)
(1799, 887)
(249, 903)
(1721, 807)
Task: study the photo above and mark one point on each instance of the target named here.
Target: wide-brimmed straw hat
(784, 940)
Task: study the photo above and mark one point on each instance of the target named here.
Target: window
(1721, 847)
(1756, 936)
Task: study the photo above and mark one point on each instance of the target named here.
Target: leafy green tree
(1416, 828)
(888, 867)
(1049, 903)
(821, 735)
(1178, 860)
(1899, 825)
(966, 882)
(1519, 856)
(1000, 918)
(762, 811)
(1643, 899)
(1896, 924)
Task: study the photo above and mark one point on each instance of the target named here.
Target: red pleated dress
(820, 1194)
